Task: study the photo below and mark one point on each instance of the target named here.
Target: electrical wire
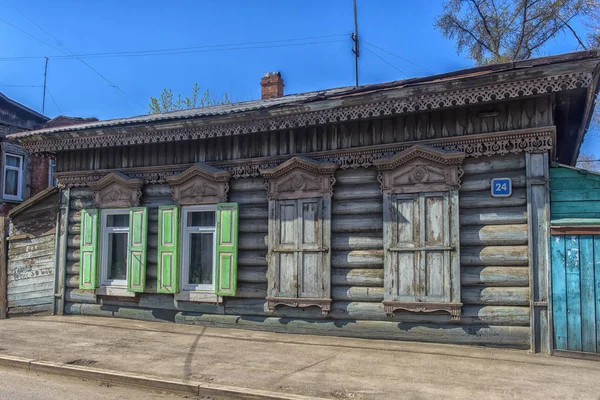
(396, 55)
(175, 51)
(53, 100)
(386, 61)
(65, 47)
(22, 86)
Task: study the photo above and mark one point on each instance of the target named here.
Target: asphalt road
(19, 384)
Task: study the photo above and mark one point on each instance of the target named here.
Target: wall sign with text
(501, 187)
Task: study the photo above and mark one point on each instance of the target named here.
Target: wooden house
(369, 212)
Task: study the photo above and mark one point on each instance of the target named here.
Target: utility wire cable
(22, 86)
(386, 61)
(396, 55)
(165, 52)
(53, 100)
(62, 51)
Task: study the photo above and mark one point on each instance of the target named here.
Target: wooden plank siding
(494, 260)
(502, 116)
(574, 196)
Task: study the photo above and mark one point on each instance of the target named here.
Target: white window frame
(51, 172)
(19, 196)
(104, 232)
(185, 248)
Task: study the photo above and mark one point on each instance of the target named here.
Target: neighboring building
(19, 170)
(414, 210)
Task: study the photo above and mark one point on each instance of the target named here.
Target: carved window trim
(117, 190)
(297, 179)
(417, 171)
(199, 184)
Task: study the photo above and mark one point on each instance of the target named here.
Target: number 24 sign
(501, 187)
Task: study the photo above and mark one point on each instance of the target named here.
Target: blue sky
(404, 28)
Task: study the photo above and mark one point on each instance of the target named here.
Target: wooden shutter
(419, 247)
(88, 275)
(227, 244)
(168, 249)
(136, 252)
(284, 227)
(311, 250)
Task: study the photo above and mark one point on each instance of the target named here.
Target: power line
(395, 55)
(183, 50)
(54, 101)
(22, 86)
(65, 47)
(386, 61)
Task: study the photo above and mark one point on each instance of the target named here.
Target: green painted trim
(168, 250)
(227, 248)
(89, 249)
(136, 253)
(575, 221)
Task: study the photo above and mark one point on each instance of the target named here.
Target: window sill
(117, 291)
(454, 309)
(198, 297)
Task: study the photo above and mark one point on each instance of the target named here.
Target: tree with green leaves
(491, 31)
(166, 102)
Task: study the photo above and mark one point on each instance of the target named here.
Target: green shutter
(168, 249)
(136, 253)
(88, 275)
(227, 238)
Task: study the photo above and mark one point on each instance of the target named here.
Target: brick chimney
(271, 86)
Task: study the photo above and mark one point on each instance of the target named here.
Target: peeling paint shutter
(136, 253)
(88, 275)
(168, 249)
(285, 248)
(227, 244)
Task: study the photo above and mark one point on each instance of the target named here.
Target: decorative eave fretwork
(117, 190)
(300, 178)
(420, 169)
(199, 184)
(405, 101)
(537, 140)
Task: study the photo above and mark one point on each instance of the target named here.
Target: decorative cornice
(117, 190)
(419, 151)
(389, 107)
(538, 140)
(199, 184)
(299, 178)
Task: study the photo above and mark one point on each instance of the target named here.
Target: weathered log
(251, 290)
(244, 198)
(80, 296)
(73, 268)
(374, 311)
(247, 184)
(355, 176)
(74, 217)
(74, 228)
(357, 277)
(162, 190)
(352, 223)
(494, 255)
(494, 235)
(252, 258)
(474, 182)
(510, 336)
(253, 226)
(82, 193)
(508, 162)
(72, 281)
(493, 216)
(78, 204)
(74, 241)
(357, 259)
(352, 192)
(357, 241)
(358, 207)
(494, 276)
(252, 274)
(252, 241)
(502, 296)
(73, 255)
(254, 211)
(357, 293)
(484, 199)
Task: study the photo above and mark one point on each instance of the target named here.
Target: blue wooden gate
(576, 292)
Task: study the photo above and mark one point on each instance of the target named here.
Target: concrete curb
(145, 382)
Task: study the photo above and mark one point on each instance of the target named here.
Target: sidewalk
(318, 366)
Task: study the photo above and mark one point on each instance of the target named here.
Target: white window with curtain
(114, 243)
(12, 183)
(198, 247)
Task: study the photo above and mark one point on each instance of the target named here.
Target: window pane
(201, 258)
(117, 220)
(13, 161)
(11, 184)
(117, 256)
(201, 218)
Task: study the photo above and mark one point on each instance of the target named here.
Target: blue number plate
(501, 187)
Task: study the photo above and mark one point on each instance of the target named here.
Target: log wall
(494, 265)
